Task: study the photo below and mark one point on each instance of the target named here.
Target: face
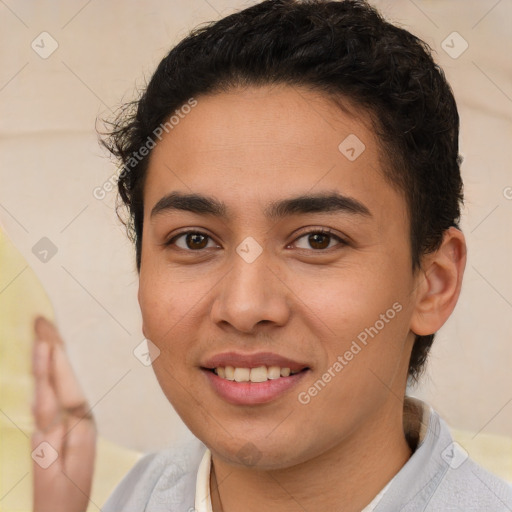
(251, 277)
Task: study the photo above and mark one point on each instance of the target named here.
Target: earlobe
(439, 284)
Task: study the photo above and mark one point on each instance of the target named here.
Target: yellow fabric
(21, 299)
(491, 451)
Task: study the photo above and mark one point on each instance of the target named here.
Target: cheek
(171, 313)
(364, 314)
(350, 299)
(162, 304)
(166, 315)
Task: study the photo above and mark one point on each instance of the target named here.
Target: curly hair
(343, 49)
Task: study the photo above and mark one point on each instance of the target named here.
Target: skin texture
(247, 148)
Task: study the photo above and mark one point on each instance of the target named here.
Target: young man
(292, 177)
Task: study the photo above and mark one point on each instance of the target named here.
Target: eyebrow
(318, 203)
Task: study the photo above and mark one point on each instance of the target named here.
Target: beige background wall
(50, 163)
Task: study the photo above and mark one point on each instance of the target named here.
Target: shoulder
(464, 484)
(159, 478)
(470, 487)
(441, 477)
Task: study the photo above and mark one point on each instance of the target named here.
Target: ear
(439, 283)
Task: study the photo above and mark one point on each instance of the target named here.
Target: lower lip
(252, 393)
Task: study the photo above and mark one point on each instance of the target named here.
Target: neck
(346, 477)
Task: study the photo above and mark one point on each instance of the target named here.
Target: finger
(68, 389)
(46, 404)
(46, 330)
(40, 358)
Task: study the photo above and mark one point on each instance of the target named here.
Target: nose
(252, 294)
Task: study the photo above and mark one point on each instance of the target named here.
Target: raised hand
(64, 441)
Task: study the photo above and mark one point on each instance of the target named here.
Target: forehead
(256, 144)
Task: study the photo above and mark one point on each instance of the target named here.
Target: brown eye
(319, 240)
(190, 241)
(196, 241)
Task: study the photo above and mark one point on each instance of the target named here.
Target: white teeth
(259, 374)
(242, 374)
(274, 372)
(229, 372)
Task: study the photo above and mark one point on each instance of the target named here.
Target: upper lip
(239, 360)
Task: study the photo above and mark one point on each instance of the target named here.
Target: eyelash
(317, 231)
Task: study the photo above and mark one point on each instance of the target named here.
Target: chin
(259, 453)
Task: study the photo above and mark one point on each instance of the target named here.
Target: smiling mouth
(255, 375)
